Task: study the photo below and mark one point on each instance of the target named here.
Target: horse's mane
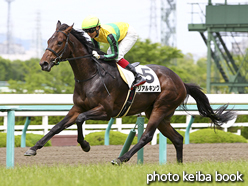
(80, 35)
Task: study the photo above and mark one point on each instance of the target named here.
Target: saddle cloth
(152, 83)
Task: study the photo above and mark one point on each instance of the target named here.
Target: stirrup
(136, 84)
(135, 64)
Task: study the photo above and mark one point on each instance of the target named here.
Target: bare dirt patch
(104, 154)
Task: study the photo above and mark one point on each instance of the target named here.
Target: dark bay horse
(100, 92)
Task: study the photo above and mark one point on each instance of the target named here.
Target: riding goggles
(90, 30)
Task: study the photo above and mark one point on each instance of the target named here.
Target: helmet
(90, 22)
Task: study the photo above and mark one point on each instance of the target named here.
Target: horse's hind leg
(146, 137)
(168, 131)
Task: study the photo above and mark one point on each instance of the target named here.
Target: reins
(59, 55)
(98, 65)
(75, 58)
(59, 59)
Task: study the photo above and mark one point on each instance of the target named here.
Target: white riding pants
(126, 44)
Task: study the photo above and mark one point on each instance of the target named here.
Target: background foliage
(27, 76)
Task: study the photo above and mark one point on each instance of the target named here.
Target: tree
(191, 72)
(29, 78)
(5, 69)
(147, 52)
(59, 80)
(152, 53)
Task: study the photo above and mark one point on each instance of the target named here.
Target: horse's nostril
(44, 65)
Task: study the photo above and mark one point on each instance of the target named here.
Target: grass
(125, 175)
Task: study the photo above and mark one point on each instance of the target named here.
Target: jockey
(120, 36)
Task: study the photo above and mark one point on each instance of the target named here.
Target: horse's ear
(58, 25)
(68, 30)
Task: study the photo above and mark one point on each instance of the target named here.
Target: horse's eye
(60, 42)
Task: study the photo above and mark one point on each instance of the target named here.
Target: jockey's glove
(95, 54)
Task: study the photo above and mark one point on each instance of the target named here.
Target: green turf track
(125, 175)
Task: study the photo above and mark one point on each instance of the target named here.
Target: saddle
(152, 85)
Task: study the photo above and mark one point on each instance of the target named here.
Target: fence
(59, 99)
(45, 102)
(89, 128)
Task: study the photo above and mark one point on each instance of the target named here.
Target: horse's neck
(83, 68)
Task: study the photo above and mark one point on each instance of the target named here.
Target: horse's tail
(204, 108)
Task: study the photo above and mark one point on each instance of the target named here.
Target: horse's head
(56, 49)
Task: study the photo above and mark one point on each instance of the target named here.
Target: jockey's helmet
(90, 22)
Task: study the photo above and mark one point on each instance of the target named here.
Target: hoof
(86, 149)
(85, 146)
(30, 153)
(116, 162)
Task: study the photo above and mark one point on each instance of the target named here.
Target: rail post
(162, 149)
(140, 155)
(128, 142)
(106, 137)
(192, 118)
(10, 146)
(24, 131)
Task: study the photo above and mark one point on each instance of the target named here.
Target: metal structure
(168, 22)
(231, 67)
(9, 35)
(153, 29)
(38, 37)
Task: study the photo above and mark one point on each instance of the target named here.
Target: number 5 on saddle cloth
(152, 85)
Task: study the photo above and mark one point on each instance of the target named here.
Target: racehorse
(100, 92)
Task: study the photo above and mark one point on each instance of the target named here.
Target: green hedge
(211, 136)
(115, 138)
(244, 132)
(200, 136)
(31, 139)
(118, 138)
(215, 136)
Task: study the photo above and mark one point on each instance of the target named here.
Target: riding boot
(139, 80)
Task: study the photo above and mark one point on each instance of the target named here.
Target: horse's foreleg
(97, 113)
(63, 124)
(84, 144)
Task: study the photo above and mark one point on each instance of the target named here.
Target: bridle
(59, 59)
(59, 55)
